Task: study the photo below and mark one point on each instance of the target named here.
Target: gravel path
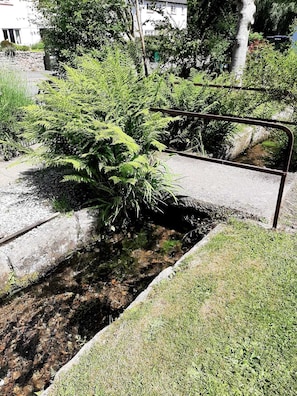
(20, 204)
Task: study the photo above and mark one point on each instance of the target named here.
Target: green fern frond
(97, 121)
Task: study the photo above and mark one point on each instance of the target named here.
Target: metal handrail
(249, 121)
(240, 88)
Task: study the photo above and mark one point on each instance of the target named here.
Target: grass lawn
(225, 324)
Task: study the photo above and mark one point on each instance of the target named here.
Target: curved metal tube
(248, 121)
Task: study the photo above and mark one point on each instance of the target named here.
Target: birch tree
(247, 9)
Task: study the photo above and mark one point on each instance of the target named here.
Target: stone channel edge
(166, 274)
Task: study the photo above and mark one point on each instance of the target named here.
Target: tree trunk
(140, 30)
(247, 9)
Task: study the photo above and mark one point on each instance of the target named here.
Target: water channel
(45, 325)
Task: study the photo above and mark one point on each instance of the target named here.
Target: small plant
(20, 47)
(61, 205)
(38, 46)
(169, 246)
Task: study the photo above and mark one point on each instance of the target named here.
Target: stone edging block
(167, 273)
(36, 252)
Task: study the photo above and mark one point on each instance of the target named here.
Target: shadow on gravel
(64, 196)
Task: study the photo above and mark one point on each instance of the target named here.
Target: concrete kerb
(166, 274)
(29, 256)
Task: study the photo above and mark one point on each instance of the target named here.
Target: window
(12, 35)
(150, 7)
(149, 32)
(173, 10)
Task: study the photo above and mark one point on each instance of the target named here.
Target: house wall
(18, 20)
(176, 11)
(17, 17)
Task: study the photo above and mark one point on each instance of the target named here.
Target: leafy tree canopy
(274, 16)
(213, 23)
(73, 25)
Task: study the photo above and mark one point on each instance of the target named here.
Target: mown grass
(226, 326)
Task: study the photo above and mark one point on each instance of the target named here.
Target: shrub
(20, 47)
(6, 44)
(38, 46)
(97, 121)
(276, 71)
(202, 136)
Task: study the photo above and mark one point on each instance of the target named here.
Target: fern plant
(209, 137)
(97, 121)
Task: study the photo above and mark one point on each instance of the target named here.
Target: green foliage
(176, 52)
(274, 16)
(13, 97)
(19, 47)
(208, 137)
(255, 36)
(38, 46)
(97, 121)
(276, 71)
(213, 24)
(272, 69)
(77, 26)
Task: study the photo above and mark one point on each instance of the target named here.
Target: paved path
(33, 78)
(235, 188)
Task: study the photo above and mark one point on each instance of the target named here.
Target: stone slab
(44, 247)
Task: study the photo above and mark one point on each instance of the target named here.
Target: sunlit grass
(13, 96)
(224, 327)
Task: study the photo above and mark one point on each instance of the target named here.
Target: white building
(18, 22)
(152, 12)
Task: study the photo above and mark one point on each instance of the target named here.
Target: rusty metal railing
(249, 121)
(240, 88)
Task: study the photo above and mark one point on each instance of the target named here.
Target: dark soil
(259, 155)
(44, 326)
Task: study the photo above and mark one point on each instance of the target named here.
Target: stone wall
(23, 61)
(249, 136)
